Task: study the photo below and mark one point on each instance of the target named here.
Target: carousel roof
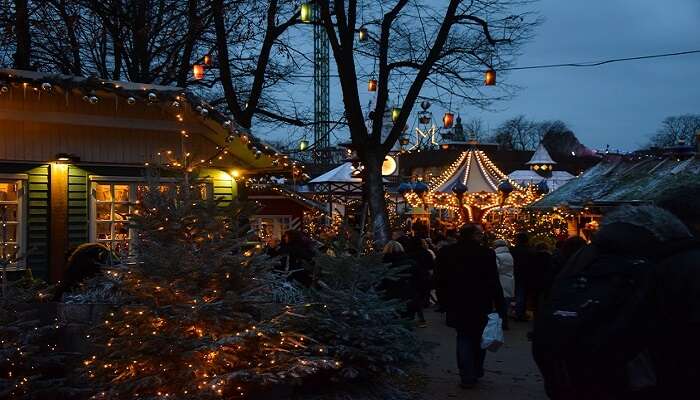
(473, 169)
(541, 157)
(527, 177)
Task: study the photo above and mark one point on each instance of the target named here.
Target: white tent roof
(526, 177)
(339, 174)
(541, 157)
(475, 170)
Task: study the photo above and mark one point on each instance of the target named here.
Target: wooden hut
(74, 154)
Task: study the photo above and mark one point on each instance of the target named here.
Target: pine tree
(197, 316)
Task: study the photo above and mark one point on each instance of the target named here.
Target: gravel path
(511, 374)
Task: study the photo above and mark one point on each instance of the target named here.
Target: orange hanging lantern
(198, 71)
(372, 85)
(490, 77)
(207, 60)
(448, 119)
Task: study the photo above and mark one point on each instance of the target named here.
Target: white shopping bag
(492, 339)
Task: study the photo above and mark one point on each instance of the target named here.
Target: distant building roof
(541, 157)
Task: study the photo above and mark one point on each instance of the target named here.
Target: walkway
(511, 373)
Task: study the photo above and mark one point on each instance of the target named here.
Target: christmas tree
(202, 314)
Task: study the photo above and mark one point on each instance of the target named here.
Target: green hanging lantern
(307, 11)
(395, 112)
(303, 144)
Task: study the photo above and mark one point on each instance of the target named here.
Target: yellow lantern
(395, 112)
(207, 60)
(372, 85)
(198, 71)
(363, 34)
(303, 145)
(490, 77)
(306, 12)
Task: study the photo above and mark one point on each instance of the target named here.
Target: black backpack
(589, 334)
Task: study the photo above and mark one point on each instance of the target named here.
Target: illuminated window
(112, 206)
(271, 226)
(11, 224)
(112, 203)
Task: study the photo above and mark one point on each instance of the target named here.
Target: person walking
(522, 268)
(472, 291)
(402, 287)
(504, 261)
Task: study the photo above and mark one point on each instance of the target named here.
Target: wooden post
(58, 220)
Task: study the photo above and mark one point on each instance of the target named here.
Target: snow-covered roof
(624, 180)
(527, 177)
(472, 168)
(541, 157)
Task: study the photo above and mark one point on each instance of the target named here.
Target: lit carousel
(471, 189)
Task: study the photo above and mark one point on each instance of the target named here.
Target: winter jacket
(472, 286)
(504, 260)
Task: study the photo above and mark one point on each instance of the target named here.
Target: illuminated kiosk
(471, 189)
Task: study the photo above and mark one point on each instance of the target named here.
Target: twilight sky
(618, 104)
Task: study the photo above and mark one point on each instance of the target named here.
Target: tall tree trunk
(141, 62)
(71, 22)
(24, 39)
(194, 24)
(374, 195)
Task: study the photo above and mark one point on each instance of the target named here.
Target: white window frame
(21, 232)
(112, 181)
(133, 183)
(281, 223)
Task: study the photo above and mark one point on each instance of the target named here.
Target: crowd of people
(614, 318)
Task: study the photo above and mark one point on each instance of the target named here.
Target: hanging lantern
(505, 187)
(198, 71)
(207, 60)
(404, 188)
(395, 112)
(303, 144)
(424, 117)
(306, 12)
(363, 34)
(372, 85)
(448, 119)
(403, 141)
(490, 77)
(459, 188)
(420, 188)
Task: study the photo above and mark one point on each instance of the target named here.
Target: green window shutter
(77, 206)
(38, 221)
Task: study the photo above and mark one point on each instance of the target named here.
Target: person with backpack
(620, 322)
(472, 292)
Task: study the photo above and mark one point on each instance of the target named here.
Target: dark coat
(402, 287)
(473, 289)
(522, 265)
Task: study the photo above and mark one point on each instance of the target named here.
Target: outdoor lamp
(372, 85)
(395, 112)
(363, 34)
(448, 119)
(198, 71)
(306, 12)
(490, 77)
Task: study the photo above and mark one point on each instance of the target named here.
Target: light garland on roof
(466, 170)
(442, 179)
